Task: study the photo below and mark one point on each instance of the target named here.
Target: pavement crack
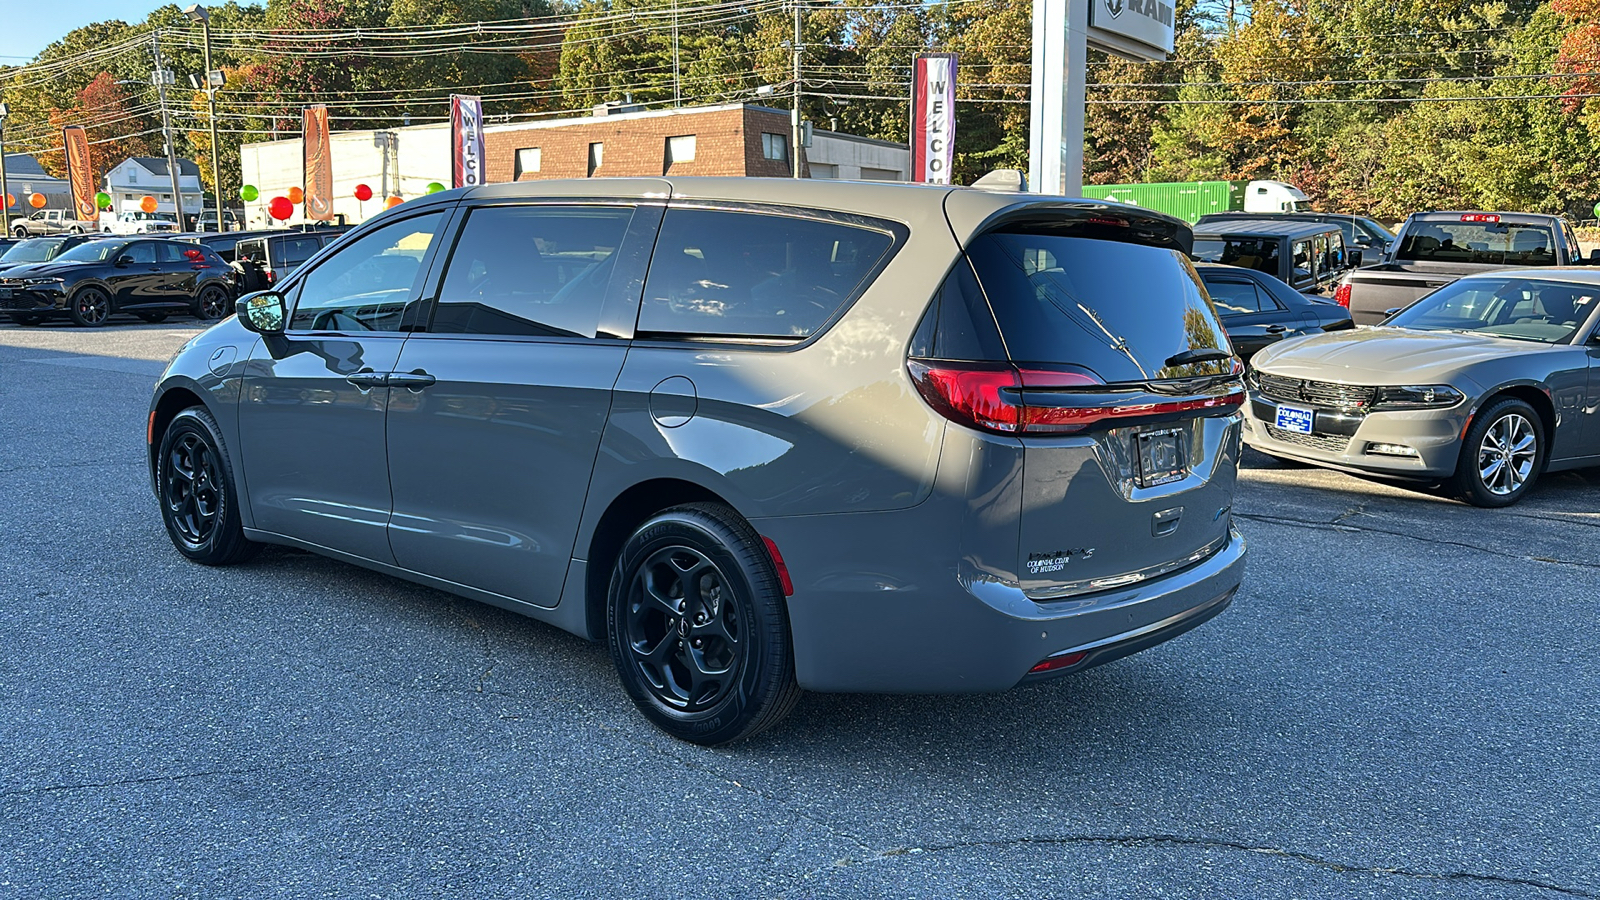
(1342, 523)
(164, 779)
(1174, 840)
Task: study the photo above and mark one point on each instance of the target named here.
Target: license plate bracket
(1161, 456)
(1297, 419)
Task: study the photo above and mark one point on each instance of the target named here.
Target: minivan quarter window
(368, 284)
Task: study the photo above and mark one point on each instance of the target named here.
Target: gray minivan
(759, 435)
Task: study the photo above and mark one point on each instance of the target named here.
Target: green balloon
(435, 187)
(102, 200)
(248, 193)
(1597, 210)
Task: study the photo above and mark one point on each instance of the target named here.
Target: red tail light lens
(1342, 296)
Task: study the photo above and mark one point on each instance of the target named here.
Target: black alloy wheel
(90, 307)
(199, 506)
(1502, 455)
(211, 304)
(697, 626)
(154, 318)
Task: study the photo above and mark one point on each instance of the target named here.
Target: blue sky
(31, 25)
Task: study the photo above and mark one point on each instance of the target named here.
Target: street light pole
(5, 189)
(202, 15)
(161, 76)
(794, 115)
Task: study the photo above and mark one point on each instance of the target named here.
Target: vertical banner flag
(80, 173)
(466, 140)
(933, 117)
(318, 174)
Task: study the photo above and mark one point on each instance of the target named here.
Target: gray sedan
(1486, 383)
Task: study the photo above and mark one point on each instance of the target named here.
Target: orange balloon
(296, 196)
(37, 200)
(147, 203)
(10, 201)
(392, 202)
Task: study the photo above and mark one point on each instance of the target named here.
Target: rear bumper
(855, 631)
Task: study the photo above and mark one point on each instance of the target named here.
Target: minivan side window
(721, 273)
(531, 271)
(367, 285)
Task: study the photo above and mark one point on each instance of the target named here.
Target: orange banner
(80, 173)
(318, 164)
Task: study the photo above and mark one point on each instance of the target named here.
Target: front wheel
(19, 231)
(199, 505)
(211, 304)
(90, 307)
(697, 628)
(1502, 455)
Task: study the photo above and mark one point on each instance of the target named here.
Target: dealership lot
(1400, 703)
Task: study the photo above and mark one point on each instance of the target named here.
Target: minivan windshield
(36, 250)
(1478, 239)
(1124, 311)
(1528, 309)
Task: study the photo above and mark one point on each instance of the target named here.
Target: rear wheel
(1502, 455)
(90, 307)
(211, 304)
(199, 505)
(697, 628)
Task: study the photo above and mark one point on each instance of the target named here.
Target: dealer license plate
(5, 293)
(1161, 457)
(1296, 419)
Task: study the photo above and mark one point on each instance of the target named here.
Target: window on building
(528, 160)
(597, 157)
(133, 177)
(870, 174)
(774, 146)
(679, 150)
(824, 170)
(128, 197)
(166, 198)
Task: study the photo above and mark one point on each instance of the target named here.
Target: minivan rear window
(1121, 310)
(731, 274)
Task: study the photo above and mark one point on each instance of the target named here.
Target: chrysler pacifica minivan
(757, 435)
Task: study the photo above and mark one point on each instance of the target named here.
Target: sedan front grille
(1332, 443)
(1317, 393)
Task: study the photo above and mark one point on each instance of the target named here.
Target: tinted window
(1236, 298)
(141, 252)
(254, 251)
(367, 285)
(1302, 261)
(1119, 309)
(958, 324)
(1260, 254)
(1492, 243)
(531, 270)
(37, 250)
(1523, 308)
(94, 251)
(294, 251)
(734, 274)
(172, 252)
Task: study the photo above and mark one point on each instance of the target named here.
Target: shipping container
(1189, 200)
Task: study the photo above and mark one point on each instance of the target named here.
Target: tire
(90, 307)
(19, 231)
(154, 318)
(25, 320)
(725, 674)
(1502, 456)
(75, 230)
(211, 303)
(195, 484)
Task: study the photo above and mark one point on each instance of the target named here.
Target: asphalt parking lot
(1400, 703)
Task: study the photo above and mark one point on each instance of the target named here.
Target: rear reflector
(150, 429)
(780, 565)
(1342, 295)
(1058, 662)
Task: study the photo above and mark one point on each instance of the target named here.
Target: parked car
(757, 435)
(1360, 233)
(1485, 383)
(1309, 256)
(140, 222)
(7, 243)
(49, 221)
(95, 280)
(43, 249)
(1257, 309)
(207, 220)
(267, 258)
(1434, 249)
(225, 243)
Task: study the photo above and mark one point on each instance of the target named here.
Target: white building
(834, 154)
(396, 161)
(131, 181)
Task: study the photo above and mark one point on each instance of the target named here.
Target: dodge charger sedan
(1485, 383)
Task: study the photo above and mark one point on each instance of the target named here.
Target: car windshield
(38, 250)
(1478, 239)
(1527, 309)
(94, 251)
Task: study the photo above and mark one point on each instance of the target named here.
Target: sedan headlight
(1419, 396)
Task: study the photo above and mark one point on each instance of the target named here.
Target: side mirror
(1389, 312)
(124, 260)
(263, 312)
(1594, 257)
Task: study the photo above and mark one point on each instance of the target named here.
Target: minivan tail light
(1342, 295)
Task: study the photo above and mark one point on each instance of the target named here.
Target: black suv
(1360, 232)
(41, 249)
(150, 278)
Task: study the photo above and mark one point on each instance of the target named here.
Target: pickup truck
(49, 221)
(1435, 248)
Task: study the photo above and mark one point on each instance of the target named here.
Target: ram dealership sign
(1147, 23)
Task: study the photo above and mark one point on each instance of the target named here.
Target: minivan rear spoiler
(972, 213)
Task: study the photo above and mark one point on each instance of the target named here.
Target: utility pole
(677, 92)
(794, 115)
(214, 80)
(5, 189)
(161, 76)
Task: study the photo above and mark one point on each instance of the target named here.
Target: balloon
(248, 193)
(296, 196)
(10, 201)
(281, 208)
(392, 202)
(102, 200)
(37, 200)
(435, 187)
(1597, 210)
(147, 203)
(363, 192)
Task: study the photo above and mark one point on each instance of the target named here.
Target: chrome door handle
(367, 378)
(416, 380)
(1276, 329)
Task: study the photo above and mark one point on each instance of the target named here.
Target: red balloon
(280, 208)
(363, 192)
